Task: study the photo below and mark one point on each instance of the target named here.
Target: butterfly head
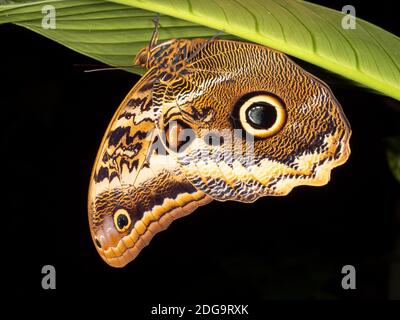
(142, 57)
(159, 55)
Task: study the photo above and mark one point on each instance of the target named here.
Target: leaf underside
(114, 31)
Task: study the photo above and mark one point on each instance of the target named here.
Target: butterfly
(211, 119)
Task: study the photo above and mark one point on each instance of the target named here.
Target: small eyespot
(97, 242)
(262, 115)
(122, 220)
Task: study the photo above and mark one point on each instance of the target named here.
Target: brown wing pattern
(134, 182)
(220, 91)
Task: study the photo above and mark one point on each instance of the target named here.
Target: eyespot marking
(122, 220)
(262, 115)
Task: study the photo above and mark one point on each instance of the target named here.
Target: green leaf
(108, 32)
(113, 31)
(393, 155)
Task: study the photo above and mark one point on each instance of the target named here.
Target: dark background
(53, 118)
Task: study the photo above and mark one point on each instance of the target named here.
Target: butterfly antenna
(194, 54)
(108, 69)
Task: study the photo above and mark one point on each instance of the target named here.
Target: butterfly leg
(154, 36)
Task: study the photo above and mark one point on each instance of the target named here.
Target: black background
(53, 118)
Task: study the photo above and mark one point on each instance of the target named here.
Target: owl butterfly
(210, 120)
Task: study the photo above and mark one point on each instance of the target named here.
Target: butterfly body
(222, 120)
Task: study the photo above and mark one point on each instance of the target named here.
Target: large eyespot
(262, 115)
(122, 220)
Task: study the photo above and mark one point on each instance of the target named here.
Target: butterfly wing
(136, 188)
(219, 98)
(231, 156)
